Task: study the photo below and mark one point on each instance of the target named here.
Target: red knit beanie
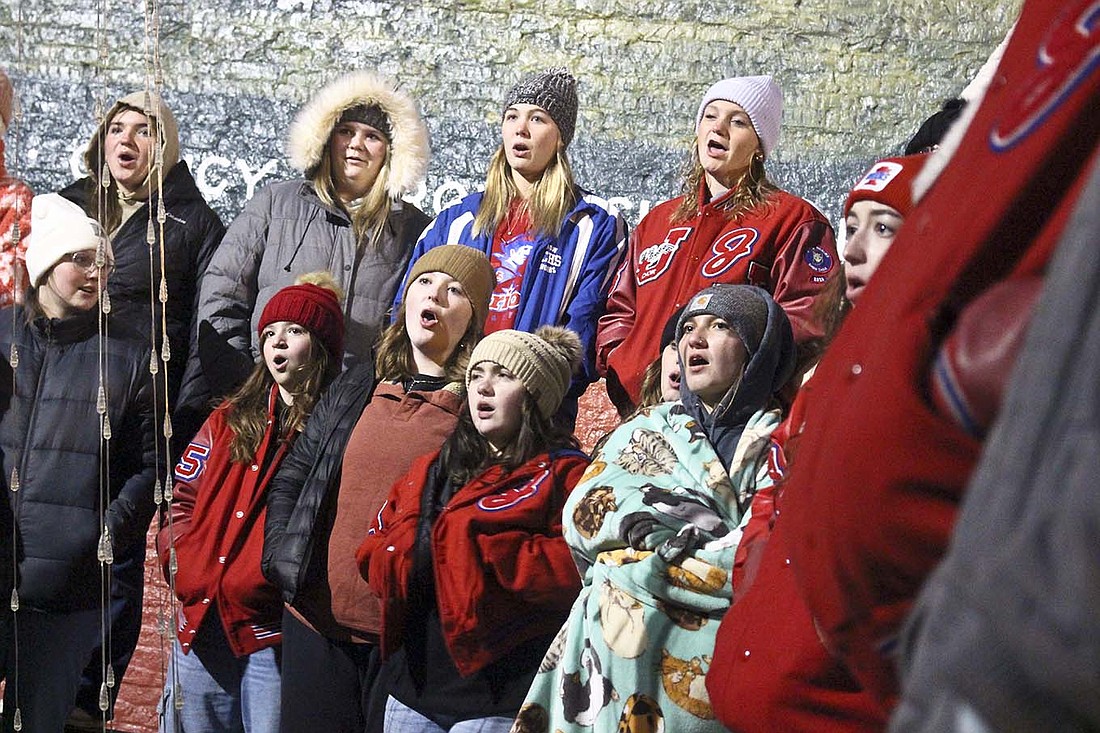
(890, 182)
(312, 306)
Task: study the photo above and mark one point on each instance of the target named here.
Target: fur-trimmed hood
(409, 147)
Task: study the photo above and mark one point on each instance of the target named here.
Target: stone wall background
(858, 75)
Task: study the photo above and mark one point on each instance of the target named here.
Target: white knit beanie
(759, 96)
(58, 228)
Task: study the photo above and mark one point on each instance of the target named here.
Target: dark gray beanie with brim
(741, 306)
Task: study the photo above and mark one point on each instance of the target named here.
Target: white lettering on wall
(216, 174)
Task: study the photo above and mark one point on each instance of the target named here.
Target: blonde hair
(650, 394)
(370, 213)
(752, 191)
(553, 197)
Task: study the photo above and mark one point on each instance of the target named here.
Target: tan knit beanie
(465, 264)
(544, 361)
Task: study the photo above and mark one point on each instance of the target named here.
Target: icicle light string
(15, 135)
(105, 548)
(158, 305)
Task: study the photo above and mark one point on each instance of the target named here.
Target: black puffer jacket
(192, 231)
(301, 492)
(50, 431)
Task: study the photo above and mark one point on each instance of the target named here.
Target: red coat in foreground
(770, 670)
(218, 512)
(872, 496)
(503, 572)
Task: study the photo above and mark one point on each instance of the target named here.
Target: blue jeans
(400, 718)
(221, 692)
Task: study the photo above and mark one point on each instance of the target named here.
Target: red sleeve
(801, 271)
(17, 196)
(538, 567)
(395, 522)
(618, 318)
(190, 474)
(378, 530)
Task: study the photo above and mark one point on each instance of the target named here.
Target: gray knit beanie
(743, 307)
(555, 90)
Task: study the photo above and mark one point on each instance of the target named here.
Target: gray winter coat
(283, 232)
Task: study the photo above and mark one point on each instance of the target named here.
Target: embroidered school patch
(818, 259)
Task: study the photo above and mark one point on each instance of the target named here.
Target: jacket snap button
(206, 600)
(391, 548)
(255, 467)
(857, 369)
(240, 514)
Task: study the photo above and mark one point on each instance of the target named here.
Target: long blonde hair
(751, 191)
(370, 213)
(553, 197)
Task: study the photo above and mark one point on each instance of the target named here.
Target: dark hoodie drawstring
(301, 239)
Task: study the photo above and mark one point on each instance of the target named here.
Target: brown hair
(394, 361)
(466, 452)
(650, 392)
(247, 416)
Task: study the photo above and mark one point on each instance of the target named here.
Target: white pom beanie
(759, 96)
(58, 228)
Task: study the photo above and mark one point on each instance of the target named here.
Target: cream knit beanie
(544, 361)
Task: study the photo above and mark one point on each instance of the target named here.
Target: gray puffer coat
(286, 231)
(283, 232)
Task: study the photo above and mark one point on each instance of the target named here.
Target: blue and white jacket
(567, 276)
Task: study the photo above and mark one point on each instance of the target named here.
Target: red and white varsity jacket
(503, 572)
(785, 246)
(218, 511)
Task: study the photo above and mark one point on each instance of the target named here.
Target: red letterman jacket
(503, 572)
(785, 246)
(770, 670)
(218, 511)
(868, 509)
